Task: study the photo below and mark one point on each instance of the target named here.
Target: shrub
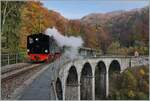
(133, 84)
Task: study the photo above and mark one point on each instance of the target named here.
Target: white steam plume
(73, 42)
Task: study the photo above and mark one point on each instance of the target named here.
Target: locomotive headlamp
(46, 51)
(37, 39)
(28, 50)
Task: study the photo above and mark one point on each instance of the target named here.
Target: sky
(76, 9)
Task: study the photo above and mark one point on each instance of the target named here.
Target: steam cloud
(73, 42)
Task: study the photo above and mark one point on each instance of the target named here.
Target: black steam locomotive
(41, 47)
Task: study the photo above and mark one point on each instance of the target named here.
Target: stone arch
(86, 82)
(71, 91)
(114, 66)
(114, 72)
(58, 87)
(100, 81)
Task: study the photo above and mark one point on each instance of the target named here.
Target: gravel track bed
(9, 85)
(14, 67)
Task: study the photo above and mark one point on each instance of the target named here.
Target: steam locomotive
(41, 47)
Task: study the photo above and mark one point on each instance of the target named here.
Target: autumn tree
(74, 27)
(132, 84)
(103, 39)
(113, 47)
(10, 23)
(36, 19)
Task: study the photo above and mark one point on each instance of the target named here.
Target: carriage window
(30, 40)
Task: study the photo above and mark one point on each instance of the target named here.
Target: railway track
(13, 78)
(10, 73)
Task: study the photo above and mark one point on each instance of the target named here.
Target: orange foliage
(35, 19)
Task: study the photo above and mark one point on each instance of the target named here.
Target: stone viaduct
(88, 79)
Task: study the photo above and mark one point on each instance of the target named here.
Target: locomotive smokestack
(72, 42)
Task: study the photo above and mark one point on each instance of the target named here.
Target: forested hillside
(124, 31)
(128, 27)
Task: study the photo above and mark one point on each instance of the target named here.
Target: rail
(12, 58)
(13, 73)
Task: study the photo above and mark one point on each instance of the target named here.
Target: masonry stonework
(96, 85)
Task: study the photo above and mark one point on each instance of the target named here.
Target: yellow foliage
(35, 19)
(131, 93)
(142, 72)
